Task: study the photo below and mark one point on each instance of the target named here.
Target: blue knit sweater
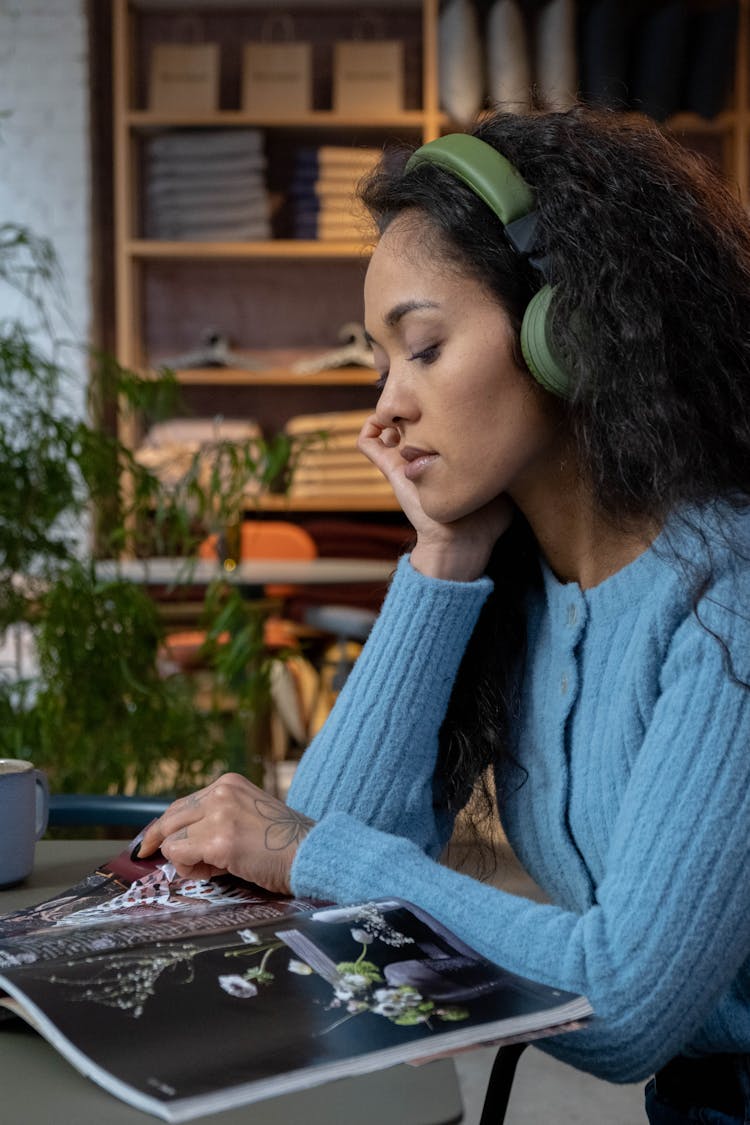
(635, 815)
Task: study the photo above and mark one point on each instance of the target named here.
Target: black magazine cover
(184, 997)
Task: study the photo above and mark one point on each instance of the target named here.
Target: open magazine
(184, 997)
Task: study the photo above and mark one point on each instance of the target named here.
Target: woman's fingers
(187, 810)
(188, 854)
(390, 437)
(233, 826)
(179, 814)
(185, 855)
(379, 444)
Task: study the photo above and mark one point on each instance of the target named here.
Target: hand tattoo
(285, 827)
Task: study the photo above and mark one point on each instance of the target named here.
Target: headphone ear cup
(536, 345)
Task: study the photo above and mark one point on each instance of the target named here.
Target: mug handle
(42, 803)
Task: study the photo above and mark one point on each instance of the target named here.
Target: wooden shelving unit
(145, 269)
(225, 118)
(276, 377)
(257, 284)
(272, 248)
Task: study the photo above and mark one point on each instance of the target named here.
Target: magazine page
(128, 902)
(205, 1021)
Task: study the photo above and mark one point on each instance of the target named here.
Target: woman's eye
(426, 355)
(380, 382)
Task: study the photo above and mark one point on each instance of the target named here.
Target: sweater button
(572, 614)
(563, 684)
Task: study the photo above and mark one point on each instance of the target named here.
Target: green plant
(103, 717)
(99, 714)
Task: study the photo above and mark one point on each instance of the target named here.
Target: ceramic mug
(24, 810)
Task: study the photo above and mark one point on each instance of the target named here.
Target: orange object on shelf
(265, 539)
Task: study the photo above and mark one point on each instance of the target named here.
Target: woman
(563, 337)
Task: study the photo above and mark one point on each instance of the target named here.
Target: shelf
(145, 120)
(693, 123)
(361, 502)
(275, 248)
(276, 377)
(229, 118)
(179, 7)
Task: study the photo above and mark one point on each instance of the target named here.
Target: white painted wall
(44, 152)
(45, 184)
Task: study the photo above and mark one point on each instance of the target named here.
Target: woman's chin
(445, 511)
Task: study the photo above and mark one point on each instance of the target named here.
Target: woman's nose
(396, 404)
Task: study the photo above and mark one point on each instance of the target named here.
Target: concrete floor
(545, 1092)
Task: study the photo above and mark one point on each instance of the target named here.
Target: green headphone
(494, 179)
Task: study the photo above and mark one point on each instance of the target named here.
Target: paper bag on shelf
(368, 77)
(184, 78)
(277, 79)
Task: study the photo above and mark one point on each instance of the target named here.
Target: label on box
(277, 79)
(184, 78)
(368, 77)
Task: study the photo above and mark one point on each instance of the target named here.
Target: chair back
(87, 810)
(267, 539)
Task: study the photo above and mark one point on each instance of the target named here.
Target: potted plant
(98, 714)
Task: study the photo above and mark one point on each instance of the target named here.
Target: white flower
(375, 924)
(299, 967)
(8, 960)
(394, 1001)
(106, 941)
(387, 1008)
(352, 983)
(382, 994)
(236, 985)
(362, 937)
(249, 937)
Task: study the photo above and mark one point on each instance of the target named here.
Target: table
(39, 1087)
(252, 572)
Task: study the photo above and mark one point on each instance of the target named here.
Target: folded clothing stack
(322, 191)
(169, 449)
(525, 52)
(659, 57)
(333, 466)
(205, 185)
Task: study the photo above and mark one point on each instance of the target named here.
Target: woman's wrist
(450, 561)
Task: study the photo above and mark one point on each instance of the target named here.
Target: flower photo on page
(358, 985)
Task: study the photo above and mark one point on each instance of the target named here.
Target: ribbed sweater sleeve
(375, 756)
(659, 949)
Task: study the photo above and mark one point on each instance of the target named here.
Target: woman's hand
(458, 550)
(230, 826)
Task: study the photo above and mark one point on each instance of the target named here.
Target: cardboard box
(277, 79)
(368, 77)
(184, 78)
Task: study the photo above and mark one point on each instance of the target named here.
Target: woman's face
(471, 423)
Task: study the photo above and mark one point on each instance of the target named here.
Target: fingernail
(135, 844)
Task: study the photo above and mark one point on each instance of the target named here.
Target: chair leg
(500, 1084)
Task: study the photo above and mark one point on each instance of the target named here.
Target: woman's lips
(417, 460)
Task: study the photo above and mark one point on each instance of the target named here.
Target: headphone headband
(483, 169)
(500, 185)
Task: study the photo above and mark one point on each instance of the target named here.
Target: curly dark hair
(649, 253)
